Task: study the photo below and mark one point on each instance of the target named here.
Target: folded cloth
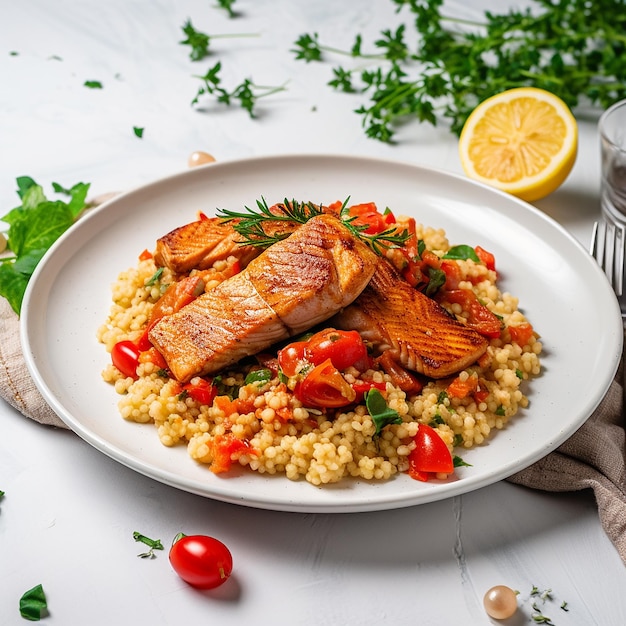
(16, 385)
(594, 457)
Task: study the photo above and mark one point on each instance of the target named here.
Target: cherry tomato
(324, 386)
(343, 347)
(292, 357)
(521, 334)
(363, 386)
(203, 562)
(125, 356)
(430, 455)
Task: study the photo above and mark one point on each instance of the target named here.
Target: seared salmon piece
(199, 244)
(293, 285)
(421, 335)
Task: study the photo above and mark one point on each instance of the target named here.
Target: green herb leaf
(228, 5)
(153, 544)
(459, 462)
(198, 42)
(33, 604)
(138, 131)
(33, 227)
(262, 376)
(381, 414)
(461, 252)
(93, 84)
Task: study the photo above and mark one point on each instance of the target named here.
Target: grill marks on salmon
(293, 285)
(421, 335)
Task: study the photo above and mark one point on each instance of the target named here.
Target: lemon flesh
(523, 141)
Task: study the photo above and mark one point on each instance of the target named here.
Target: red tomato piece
(292, 357)
(203, 562)
(462, 388)
(125, 356)
(201, 390)
(453, 273)
(226, 449)
(521, 334)
(361, 387)
(325, 387)
(343, 347)
(430, 454)
(145, 255)
(486, 257)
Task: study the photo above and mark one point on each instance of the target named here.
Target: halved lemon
(523, 141)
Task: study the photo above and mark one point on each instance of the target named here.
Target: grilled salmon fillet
(293, 285)
(199, 244)
(420, 333)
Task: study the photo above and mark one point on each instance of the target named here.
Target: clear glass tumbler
(612, 127)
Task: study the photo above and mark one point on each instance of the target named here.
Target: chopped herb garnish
(519, 374)
(33, 604)
(381, 414)
(459, 462)
(442, 397)
(138, 131)
(153, 544)
(33, 227)
(93, 84)
(153, 279)
(500, 411)
(252, 222)
(262, 376)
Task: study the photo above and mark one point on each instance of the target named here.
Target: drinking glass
(612, 127)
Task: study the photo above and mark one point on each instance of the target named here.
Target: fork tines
(607, 247)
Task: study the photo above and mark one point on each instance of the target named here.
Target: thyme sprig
(252, 223)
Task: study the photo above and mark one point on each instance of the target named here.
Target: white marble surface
(69, 512)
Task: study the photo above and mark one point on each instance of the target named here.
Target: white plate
(561, 290)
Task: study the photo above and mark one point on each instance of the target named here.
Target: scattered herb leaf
(198, 41)
(457, 461)
(153, 279)
(138, 131)
(153, 544)
(381, 414)
(33, 604)
(461, 252)
(228, 6)
(33, 228)
(93, 84)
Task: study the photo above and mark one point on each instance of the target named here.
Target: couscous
(254, 415)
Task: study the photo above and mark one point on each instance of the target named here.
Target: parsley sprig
(246, 93)
(200, 42)
(573, 48)
(153, 544)
(252, 223)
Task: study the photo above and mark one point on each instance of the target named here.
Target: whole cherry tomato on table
(203, 562)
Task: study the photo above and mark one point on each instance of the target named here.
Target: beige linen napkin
(593, 458)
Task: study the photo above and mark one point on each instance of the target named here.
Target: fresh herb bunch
(252, 222)
(246, 93)
(575, 49)
(33, 227)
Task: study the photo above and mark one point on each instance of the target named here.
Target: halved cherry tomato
(480, 318)
(430, 455)
(125, 356)
(343, 347)
(203, 562)
(486, 257)
(201, 390)
(292, 358)
(325, 387)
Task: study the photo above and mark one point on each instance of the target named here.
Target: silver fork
(608, 243)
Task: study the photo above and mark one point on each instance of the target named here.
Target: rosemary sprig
(252, 224)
